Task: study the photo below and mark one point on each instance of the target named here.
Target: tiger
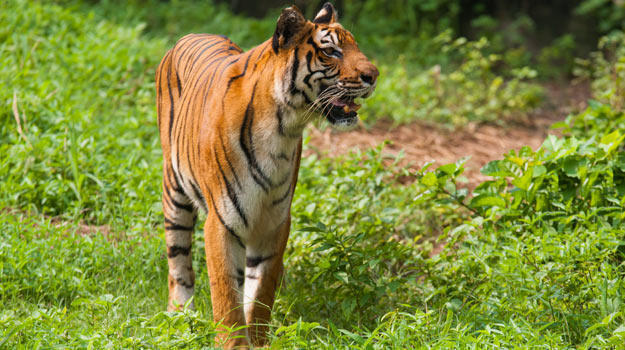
(231, 125)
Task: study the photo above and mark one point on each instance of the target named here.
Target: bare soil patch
(67, 226)
(422, 143)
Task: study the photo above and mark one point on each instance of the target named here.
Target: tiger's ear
(327, 14)
(290, 24)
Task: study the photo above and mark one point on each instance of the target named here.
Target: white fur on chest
(265, 206)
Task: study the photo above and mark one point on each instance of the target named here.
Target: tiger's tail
(168, 91)
(180, 214)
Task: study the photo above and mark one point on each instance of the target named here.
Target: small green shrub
(609, 14)
(173, 19)
(331, 266)
(557, 59)
(606, 69)
(596, 119)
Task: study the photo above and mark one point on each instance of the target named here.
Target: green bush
(609, 14)
(471, 92)
(596, 119)
(545, 239)
(332, 269)
(606, 69)
(410, 17)
(557, 59)
(173, 19)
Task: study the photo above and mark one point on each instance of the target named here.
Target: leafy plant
(356, 265)
(557, 59)
(610, 13)
(606, 68)
(549, 229)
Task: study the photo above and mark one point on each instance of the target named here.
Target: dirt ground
(482, 142)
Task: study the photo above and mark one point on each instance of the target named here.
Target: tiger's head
(327, 69)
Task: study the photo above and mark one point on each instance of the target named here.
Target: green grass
(532, 259)
(84, 91)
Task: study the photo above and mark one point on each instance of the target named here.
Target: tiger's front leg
(263, 274)
(225, 259)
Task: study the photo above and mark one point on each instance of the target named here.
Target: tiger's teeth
(346, 109)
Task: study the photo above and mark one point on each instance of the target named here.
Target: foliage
(557, 59)
(410, 16)
(599, 117)
(333, 252)
(514, 41)
(610, 14)
(172, 19)
(470, 92)
(546, 235)
(83, 91)
(606, 68)
(62, 287)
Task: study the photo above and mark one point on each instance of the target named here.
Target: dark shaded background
(550, 18)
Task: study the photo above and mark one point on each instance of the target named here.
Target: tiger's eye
(331, 52)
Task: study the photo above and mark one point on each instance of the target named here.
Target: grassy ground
(536, 264)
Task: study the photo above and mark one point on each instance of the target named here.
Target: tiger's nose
(369, 75)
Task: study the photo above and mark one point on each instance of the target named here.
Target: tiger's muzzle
(344, 110)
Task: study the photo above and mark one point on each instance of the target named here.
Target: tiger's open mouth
(343, 111)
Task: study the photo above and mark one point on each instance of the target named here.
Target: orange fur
(231, 128)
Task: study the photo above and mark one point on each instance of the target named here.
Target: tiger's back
(181, 81)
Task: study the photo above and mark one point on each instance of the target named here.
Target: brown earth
(422, 143)
(80, 228)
